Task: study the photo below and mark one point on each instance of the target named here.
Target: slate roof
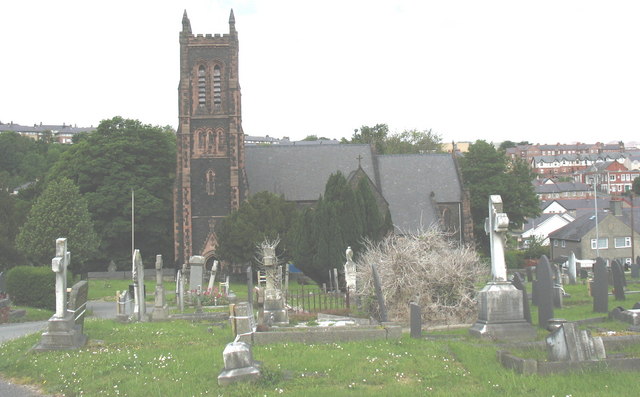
(300, 172)
(407, 182)
(578, 228)
(559, 187)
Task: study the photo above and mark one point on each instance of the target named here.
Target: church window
(211, 182)
(217, 87)
(202, 141)
(202, 86)
(211, 142)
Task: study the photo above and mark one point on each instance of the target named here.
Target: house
(575, 208)
(568, 164)
(57, 133)
(540, 227)
(550, 189)
(610, 177)
(613, 238)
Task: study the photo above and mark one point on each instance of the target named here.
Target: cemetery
(557, 329)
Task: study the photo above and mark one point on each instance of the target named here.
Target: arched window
(211, 182)
(217, 88)
(202, 86)
(202, 141)
(211, 142)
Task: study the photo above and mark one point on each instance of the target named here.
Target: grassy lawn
(184, 359)
(32, 314)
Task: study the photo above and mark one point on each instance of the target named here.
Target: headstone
(636, 306)
(65, 327)
(568, 343)
(350, 273)
(239, 365)
(572, 268)
(250, 287)
(416, 320)
(518, 282)
(335, 280)
(124, 307)
(500, 304)
(112, 268)
(196, 272)
(599, 288)
(635, 270)
(140, 306)
(274, 310)
(619, 281)
(160, 307)
(382, 307)
(557, 286)
(544, 288)
(59, 266)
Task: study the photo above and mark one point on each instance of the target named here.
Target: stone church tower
(210, 177)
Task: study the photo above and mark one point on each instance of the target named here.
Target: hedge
(32, 286)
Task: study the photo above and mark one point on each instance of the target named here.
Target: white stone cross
(59, 266)
(496, 225)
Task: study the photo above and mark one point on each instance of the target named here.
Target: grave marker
(160, 307)
(196, 272)
(619, 281)
(381, 305)
(545, 291)
(599, 288)
(518, 282)
(140, 306)
(59, 266)
(416, 320)
(557, 286)
(572, 269)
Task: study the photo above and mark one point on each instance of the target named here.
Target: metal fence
(316, 301)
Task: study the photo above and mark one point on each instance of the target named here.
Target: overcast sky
(542, 71)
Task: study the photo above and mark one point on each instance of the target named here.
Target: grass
(32, 314)
(183, 359)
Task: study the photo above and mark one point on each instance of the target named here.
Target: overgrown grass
(183, 359)
(32, 314)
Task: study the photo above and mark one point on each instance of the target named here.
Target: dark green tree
(413, 142)
(487, 171)
(107, 164)
(263, 216)
(60, 211)
(376, 136)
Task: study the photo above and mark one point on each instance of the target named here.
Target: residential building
(55, 133)
(550, 189)
(610, 177)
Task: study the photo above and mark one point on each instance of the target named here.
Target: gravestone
(557, 286)
(350, 273)
(196, 272)
(416, 320)
(160, 307)
(572, 269)
(378, 288)
(518, 282)
(212, 276)
(124, 306)
(112, 268)
(568, 343)
(64, 328)
(545, 292)
(274, 311)
(180, 289)
(599, 288)
(140, 306)
(529, 273)
(635, 270)
(239, 365)
(619, 281)
(500, 304)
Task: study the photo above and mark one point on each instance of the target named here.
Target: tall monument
(210, 177)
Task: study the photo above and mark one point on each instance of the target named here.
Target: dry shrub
(427, 268)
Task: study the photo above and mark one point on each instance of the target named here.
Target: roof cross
(359, 158)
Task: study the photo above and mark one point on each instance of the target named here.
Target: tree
(263, 216)
(107, 164)
(413, 142)
(59, 212)
(636, 186)
(487, 171)
(376, 136)
(506, 145)
(342, 217)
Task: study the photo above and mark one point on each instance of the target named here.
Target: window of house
(622, 242)
(555, 243)
(217, 87)
(627, 261)
(563, 243)
(202, 86)
(612, 177)
(603, 243)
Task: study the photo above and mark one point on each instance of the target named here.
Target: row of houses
(528, 152)
(61, 133)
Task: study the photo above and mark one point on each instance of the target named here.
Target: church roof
(407, 183)
(300, 173)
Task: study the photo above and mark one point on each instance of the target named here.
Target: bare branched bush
(426, 268)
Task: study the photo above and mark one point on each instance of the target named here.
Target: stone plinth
(160, 309)
(62, 334)
(568, 343)
(239, 365)
(501, 314)
(274, 312)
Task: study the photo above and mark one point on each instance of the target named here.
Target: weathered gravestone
(212, 276)
(64, 329)
(137, 274)
(518, 282)
(568, 343)
(619, 281)
(544, 288)
(112, 268)
(196, 272)
(124, 306)
(350, 272)
(239, 365)
(416, 320)
(572, 268)
(557, 286)
(160, 307)
(382, 307)
(635, 270)
(500, 304)
(599, 288)
(274, 311)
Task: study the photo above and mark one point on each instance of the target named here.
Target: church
(215, 172)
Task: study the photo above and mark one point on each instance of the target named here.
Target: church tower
(210, 177)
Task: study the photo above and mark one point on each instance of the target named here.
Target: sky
(544, 71)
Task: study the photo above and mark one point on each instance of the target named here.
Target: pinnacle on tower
(186, 25)
(232, 20)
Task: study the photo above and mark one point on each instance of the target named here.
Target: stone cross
(59, 266)
(272, 289)
(496, 225)
(350, 272)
